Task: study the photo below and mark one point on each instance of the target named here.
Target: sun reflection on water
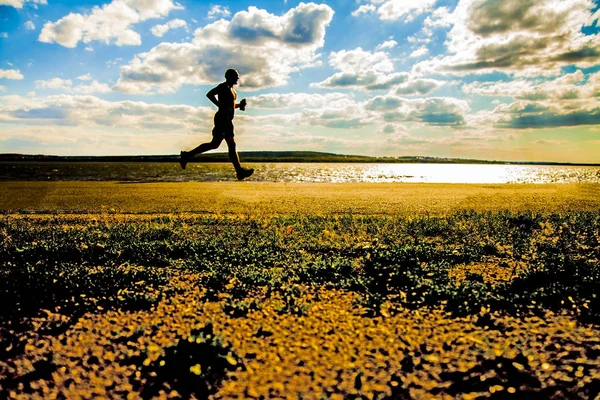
(427, 173)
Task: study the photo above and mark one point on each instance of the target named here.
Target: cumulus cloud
(54, 83)
(29, 25)
(339, 115)
(2, 88)
(218, 11)
(388, 44)
(66, 85)
(263, 47)
(296, 100)
(419, 87)
(432, 110)
(364, 9)
(527, 38)
(569, 100)
(362, 69)
(11, 74)
(109, 23)
(90, 111)
(420, 52)
(19, 3)
(440, 18)
(86, 77)
(566, 87)
(521, 116)
(160, 30)
(394, 10)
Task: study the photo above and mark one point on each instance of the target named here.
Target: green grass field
(250, 290)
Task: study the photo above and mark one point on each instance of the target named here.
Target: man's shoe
(244, 173)
(183, 160)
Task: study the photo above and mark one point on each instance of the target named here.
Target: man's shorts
(223, 126)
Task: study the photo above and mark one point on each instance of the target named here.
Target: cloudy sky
(487, 79)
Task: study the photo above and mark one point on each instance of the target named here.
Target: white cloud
(263, 47)
(394, 10)
(361, 69)
(89, 48)
(388, 44)
(2, 88)
(31, 94)
(218, 11)
(566, 87)
(364, 9)
(569, 100)
(93, 112)
(19, 3)
(11, 74)
(420, 52)
(358, 60)
(440, 18)
(55, 84)
(89, 125)
(160, 30)
(296, 100)
(92, 87)
(66, 85)
(111, 23)
(341, 111)
(30, 25)
(86, 77)
(4, 35)
(432, 110)
(525, 38)
(419, 87)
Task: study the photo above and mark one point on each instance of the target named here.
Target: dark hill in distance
(265, 156)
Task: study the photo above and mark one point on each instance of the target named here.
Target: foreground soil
(289, 295)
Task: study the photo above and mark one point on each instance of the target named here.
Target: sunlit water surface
(431, 173)
(302, 172)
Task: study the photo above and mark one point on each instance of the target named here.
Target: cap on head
(231, 74)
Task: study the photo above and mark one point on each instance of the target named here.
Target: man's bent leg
(185, 156)
(204, 147)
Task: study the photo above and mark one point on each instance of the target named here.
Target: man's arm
(241, 105)
(212, 93)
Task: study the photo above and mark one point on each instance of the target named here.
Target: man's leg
(240, 172)
(204, 147)
(233, 155)
(185, 156)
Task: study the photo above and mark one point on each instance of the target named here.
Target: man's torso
(227, 97)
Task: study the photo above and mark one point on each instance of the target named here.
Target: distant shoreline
(276, 157)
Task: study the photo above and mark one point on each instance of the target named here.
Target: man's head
(232, 76)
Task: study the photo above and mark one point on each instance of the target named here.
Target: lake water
(300, 172)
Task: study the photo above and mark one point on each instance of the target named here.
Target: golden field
(261, 290)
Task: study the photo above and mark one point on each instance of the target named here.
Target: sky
(511, 80)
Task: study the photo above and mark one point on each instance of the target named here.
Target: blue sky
(510, 80)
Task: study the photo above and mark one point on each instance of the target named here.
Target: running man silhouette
(224, 97)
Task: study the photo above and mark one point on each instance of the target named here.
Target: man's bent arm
(212, 96)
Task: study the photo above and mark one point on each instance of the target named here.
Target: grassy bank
(272, 290)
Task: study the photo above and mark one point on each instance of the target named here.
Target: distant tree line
(269, 156)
